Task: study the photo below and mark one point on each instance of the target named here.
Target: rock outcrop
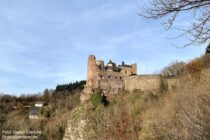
(76, 125)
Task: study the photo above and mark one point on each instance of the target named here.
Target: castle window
(125, 72)
(101, 77)
(116, 78)
(120, 78)
(109, 77)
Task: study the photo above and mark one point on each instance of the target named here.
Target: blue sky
(46, 42)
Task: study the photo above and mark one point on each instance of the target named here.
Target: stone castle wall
(129, 71)
(104, 79)
(143, 82)
(110, 82)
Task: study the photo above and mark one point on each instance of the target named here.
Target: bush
(60, 131)
(208, 49)
(122, 118)
(163, 86)
(73, 100)
(182, 115)
(195, 67)
(41, 111)
(2, 119)
(206, 60)
(47, 113)
(96, 98)
(174, 69)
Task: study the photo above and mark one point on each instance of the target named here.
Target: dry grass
(55, 117)
(122, 118)
(206, 60)
(182, 115)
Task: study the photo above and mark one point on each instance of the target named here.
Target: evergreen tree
(208, 49)
(46, 96)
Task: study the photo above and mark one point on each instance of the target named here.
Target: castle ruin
(113, 78)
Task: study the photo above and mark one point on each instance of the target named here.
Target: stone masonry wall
(143, 82)
(110, 82)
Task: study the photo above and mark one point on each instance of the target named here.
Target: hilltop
(176, 110)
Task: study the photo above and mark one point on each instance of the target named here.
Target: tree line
(71, 86)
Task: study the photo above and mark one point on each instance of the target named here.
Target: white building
(38, 104)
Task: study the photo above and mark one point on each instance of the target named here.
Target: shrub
(96, 98)
(47, 113)
(182, 115)
(41, 111)
(195, 67)
(60, 131)
(2, 119)
(174, 69)
(121, 119)
(163, 86)
(208, 49)
(73, 100)
(206, 60)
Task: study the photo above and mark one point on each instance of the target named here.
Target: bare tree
(174, 69)
(168, 10)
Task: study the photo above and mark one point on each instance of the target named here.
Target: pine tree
(208, 49)
(46, 96)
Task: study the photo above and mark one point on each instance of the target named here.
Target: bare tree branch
(199, 30)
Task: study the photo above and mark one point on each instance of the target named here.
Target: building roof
(128, 66)
(114, 68)
(110, 62)
(125, 65)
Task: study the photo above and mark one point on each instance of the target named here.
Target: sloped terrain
(182, 113)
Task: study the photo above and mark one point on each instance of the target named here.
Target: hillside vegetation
(181, 113)
(14, 111)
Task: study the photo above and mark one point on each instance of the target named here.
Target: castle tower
(92, 70)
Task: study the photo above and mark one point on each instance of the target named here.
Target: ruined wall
(110, 82)
(143, 82)
(127, 71)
